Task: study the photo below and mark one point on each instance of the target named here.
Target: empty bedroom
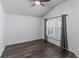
(39, 28)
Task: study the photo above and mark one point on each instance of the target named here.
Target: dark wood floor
(36, 49)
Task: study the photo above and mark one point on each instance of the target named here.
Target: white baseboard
(56, 42)
(17, 42)
(2, 50)
(74, 52)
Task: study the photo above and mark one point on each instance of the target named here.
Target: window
(54, 28)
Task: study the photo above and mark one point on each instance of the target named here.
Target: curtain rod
(57, 16)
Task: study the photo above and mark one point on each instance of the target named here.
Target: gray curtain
(64, 42)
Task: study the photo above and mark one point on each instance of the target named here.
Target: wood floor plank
(36, 49)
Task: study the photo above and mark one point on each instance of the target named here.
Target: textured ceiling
(24, 7)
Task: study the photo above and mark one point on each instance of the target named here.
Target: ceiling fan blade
(44, 0)
(42, 4)
(41, 0)
(33, 4)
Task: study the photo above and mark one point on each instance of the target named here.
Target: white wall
(2, 18)
(22, 29)
(70, 7)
